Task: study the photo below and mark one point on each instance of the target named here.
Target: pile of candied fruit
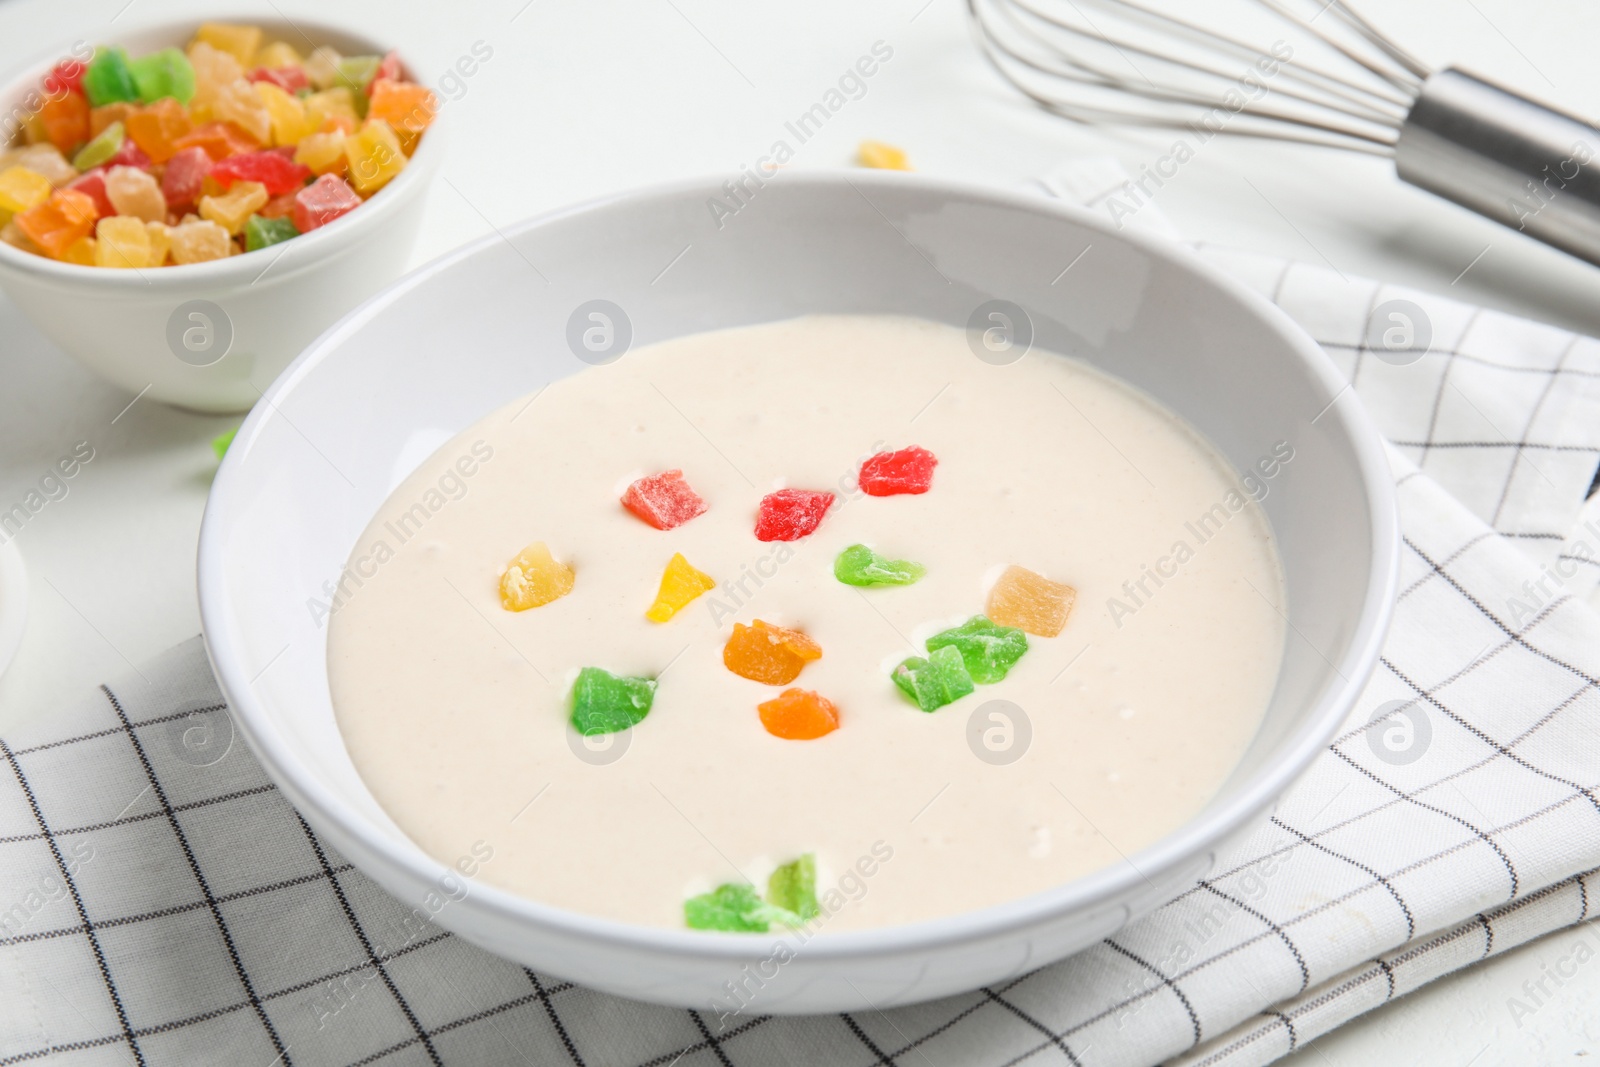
(980, 651)
(183, 156)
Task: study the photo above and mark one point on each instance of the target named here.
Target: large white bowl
(430, 355)
(264, 307)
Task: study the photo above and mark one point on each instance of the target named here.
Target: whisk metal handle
(1506, 157)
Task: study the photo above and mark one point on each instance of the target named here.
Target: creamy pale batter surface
(455, 710)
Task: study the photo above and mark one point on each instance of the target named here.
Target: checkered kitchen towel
(160, 902)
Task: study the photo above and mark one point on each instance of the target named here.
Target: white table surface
(581, 98)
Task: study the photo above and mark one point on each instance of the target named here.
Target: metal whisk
(1313, 72)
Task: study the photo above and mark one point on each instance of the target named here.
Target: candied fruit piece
(909, 470)
(260, 232)
(219, 139)
(790, 514)
(603, 703)
(799, 715)
(940, 679)
(100, 149)
(322, 66)
(45, 159)
(12, 235)
(681, 583)
(322, 201)
(106, 114)
(200, 241)
(58, 222)
(108, 78)
(129, 155)
(93, 185)
(242, 42)
(1031, 602)
(288, 114)
(21, 188)
(65, 77)
(83, 252)
(232, 208)
(279, 207)
(213, 68)
(860, 565)
(793, 887)
(322, 152)
(164, 74)
(988, 651)
(663, 500)
(160, 242)
(403, 105)
(66, 121)
(271, 169)
(291, 79)
(132, 191)
(374, 156)
(768, 654)
(736, 909)
(238, 103)
(356, 73)
(332, 106)
(278, 54)
(534, 578)
(880, 156)
(184, 177)
(121, 241)
(156, 128)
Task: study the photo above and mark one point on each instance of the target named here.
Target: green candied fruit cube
(603, 703)
(101, 149)
(793, 887)
(860, 565)
(164, 73)
(356, 73)
(734, 908)
(940, 679)
(108, 79)
(987, 649)
(260, 232)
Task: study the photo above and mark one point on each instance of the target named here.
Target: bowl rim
(220, 273)
(1097, 889)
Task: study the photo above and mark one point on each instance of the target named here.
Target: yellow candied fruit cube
(534, 579)
(277, 54)
(213, 69)
(45, 159)
(322, 66)
(287, 113)
(160, 242)
(322, 152)
(238, 103)
(332, 105)
(84, 252)
(374, 156)
(199, 241)
(134, 192)
(680, 584)
(121, 241)
(232, 208)
(239, 41)
(881, 156)
(21, 189)
(1030, 602)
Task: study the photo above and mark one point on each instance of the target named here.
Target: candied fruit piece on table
(108, 78)
(164, 74)
(603, 703)
(322, 152)
(332, 106)
(403, 105)
(799, 715)
(880, 156)
(240, 41)
(289, 123)
(322, 201)
(734, 908)
(534, 578)
(681, 583)
(66, 121)
(101, 148)
(199, 241)
(910, 470)
(21, 189)
(132, 191)
(160, 242)
(93, 185)
(1031, 602)
(55, 224)
(663, 500)
(184, 177)
(156, 128)
(790, 514)
(232, 208)
(793, 887)
(860, 566)
(933, 682)
(988, 651)
(260, 232)
(274, 171)
(122, 241)
(374, 157)
(768, 654)
(239, 103)
(219, 139)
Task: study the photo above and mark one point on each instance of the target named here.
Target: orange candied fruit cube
(219, 139)
(59, 222)
(157, 129)
(403, 105)
(1030, 602)
(65, 121)
(768, 654)
(103, 116)
(534, 578)
(799, 715)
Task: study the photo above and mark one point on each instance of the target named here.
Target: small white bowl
(426, 358)
(256, 311)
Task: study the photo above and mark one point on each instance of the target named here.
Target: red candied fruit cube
(65, 77)
(909, 470)
(129, 155)
(388, 68)
(324, 200)
(184, 177)
(279, 174)
(790, 514)
(93, 185)
(663, 500)
(289, 79)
